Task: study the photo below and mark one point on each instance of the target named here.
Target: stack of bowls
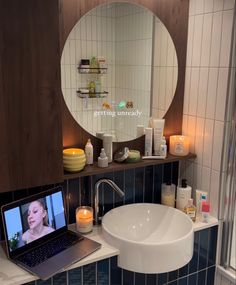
(73, 159)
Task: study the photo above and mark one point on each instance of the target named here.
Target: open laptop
(37, 235)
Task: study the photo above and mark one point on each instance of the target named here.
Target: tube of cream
(158, 128)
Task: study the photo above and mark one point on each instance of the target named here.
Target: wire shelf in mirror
(89, 95)
(92, 70)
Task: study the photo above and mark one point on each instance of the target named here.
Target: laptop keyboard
(51, 248)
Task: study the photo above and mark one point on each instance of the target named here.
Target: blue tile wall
(140, 185)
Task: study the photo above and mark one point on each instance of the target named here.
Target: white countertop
(11, 274)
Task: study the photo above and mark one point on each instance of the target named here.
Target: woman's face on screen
(36, 214)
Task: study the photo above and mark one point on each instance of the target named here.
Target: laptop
(37, 234)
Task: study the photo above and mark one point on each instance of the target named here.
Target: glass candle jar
(179, 145)
(84, 219)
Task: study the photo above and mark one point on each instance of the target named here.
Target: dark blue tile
(129, 186)
(211, 275)
(89, 274)
(128, 277)
(73, 198)
(193, 265)
(20, 194)
(173, 275)
(44, 282)
(139, 279)
(85, 190)
(201, 277)
(175, 172)
(213, 232)
(119, 180)
(173, 282)
(151, 279)
(183, 271)
(183, 281)
(139, 185)
(103, 272)
(203, 250)
(148, 191)
(192, 279)
(167, 172)
(162, 278)
(115, 272)
(158, 173)
(5, 198)
(74, 276)
(60, 278)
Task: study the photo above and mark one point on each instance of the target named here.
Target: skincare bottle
(168, 194)
(107, 145)
(190, 210)
(148, 141)
(200, 197)
(89, 152)
(163, 147)
(103, 159)
(205, 212)
(158, 127)
(184, 193)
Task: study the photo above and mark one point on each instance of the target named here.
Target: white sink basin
(152, 238)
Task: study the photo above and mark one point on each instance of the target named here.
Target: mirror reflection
(118, 68)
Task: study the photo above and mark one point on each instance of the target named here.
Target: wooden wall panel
(174, 14)
(30, 99)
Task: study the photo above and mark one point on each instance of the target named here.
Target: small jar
(84, 66)
(84, 219)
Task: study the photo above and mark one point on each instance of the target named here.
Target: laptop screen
(33, 218)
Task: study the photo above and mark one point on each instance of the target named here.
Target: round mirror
(118, 68)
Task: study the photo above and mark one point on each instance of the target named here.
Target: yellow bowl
(73, 152)
(72, 165)
(73, 169)
(71, 159)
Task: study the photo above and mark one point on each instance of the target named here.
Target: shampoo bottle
(89, 152)
(107, 145)
(184, 193)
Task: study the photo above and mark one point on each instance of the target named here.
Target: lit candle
(84, 219)
(179, 145)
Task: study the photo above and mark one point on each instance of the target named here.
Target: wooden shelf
(115, 166)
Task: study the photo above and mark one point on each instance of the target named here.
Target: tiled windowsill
(11, 274)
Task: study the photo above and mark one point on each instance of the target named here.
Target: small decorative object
(134, 156)
(84, 65)
(73, 159)
(179, 145)
(129, 105)
(84, 219)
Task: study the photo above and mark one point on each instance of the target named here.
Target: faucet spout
(114, 187)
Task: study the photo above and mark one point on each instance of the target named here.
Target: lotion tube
(158, 128)
(148, 141)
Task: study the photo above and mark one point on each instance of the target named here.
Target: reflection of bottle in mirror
(148, 141)
(163, 147)
(107, 145)
(89, 152)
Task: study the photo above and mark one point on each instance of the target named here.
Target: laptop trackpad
(65, 258)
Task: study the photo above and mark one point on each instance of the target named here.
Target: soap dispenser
(103, 159)
(183, 195)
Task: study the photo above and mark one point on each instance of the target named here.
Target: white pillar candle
(84, 219)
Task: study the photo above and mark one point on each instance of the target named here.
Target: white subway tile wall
(207, 72)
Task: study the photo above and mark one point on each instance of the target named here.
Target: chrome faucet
(96, 196)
